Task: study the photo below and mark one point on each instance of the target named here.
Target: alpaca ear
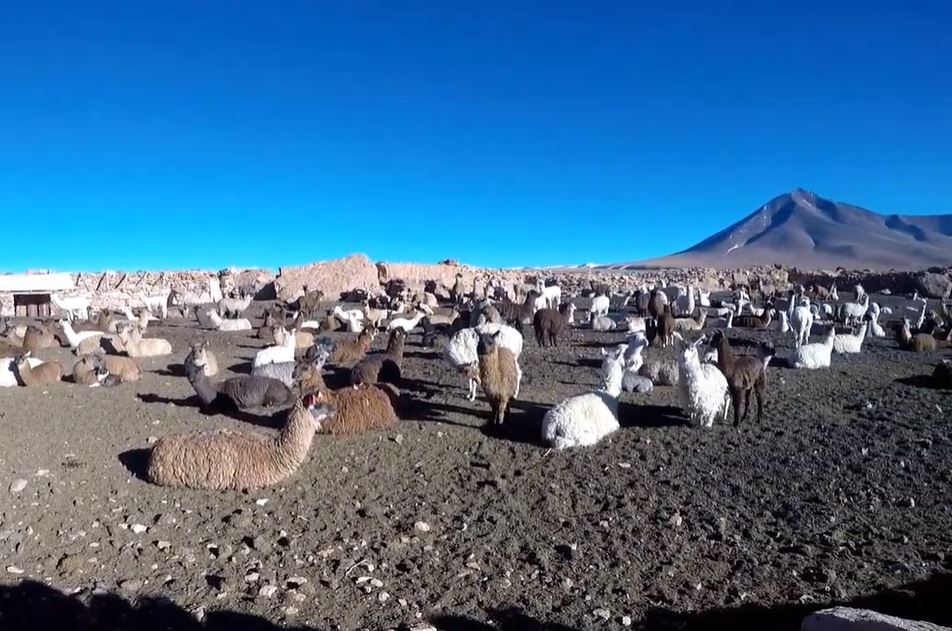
(604, 352)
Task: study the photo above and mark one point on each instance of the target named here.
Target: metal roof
(17, 283)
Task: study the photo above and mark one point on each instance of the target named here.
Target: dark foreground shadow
(32, 606)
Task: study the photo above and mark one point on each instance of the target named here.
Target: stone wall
(111, 290)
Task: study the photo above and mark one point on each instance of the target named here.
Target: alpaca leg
(736, 396)
(759, 392)
(472, 389)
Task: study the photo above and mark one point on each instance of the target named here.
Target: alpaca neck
(294, 440)
(206, 390)
(611, 384)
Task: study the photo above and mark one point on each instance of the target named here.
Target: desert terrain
(842, 495)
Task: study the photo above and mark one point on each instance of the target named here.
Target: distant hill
(801, 229)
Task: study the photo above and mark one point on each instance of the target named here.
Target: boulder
(932, 285)
(849, 619)
(331, 277)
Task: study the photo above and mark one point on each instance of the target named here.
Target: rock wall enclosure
(114, 289)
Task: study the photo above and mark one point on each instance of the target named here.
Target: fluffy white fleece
(815, 355)
(702, 387)
(585, 419)
(460, 350)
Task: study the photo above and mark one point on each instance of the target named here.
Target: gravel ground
(842, 494)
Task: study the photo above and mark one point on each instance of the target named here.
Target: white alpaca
(345, 315)
(860, 292)
(585, 419)
(702, 388)
(75, 338)
(282, 351)
(637, 343)
(684, 305)
(815, 355)
(875, 328)
(850, 312)
(801, 322)
(8, 370)
(602, 323)
(158, 303)
(551, 295)
(600, 305)
(850, 342)
(407, 324)
(460, 350)
(230, 324)
(73, 307)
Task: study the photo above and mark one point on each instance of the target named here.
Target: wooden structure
(32, 305)
(32, 292)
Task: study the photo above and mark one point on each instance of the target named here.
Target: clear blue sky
(146, 135)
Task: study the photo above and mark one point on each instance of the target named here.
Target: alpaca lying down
(227, 459)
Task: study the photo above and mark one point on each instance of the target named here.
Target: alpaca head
(320, 409)
(688, 351)
(612, 369)
(319, 353)
(488, 343)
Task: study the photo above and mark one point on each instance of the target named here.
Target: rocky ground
(842, 494)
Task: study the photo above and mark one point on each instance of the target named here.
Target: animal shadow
(241, 367)
(631, 415)
(173, 370)
(920, 381)
(136, 461)
(523, 424)
(274, 420)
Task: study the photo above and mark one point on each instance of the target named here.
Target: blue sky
(149, 135)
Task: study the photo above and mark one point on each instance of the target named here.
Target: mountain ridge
(802, 229)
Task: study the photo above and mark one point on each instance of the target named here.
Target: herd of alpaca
(481, 338)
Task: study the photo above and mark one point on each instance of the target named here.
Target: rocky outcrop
(332, 277)
(933, 285)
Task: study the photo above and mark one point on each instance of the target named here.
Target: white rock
(12, 569)
(139, 528)
(17, 485)
(849, 619)
(268, 591)
(422, 526)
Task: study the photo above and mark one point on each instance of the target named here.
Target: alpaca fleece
(248, 391)
(42, 375)
(227, 459)
(125, 368)
(360, 409)
(282, 371)
(351, 352)
(381, 367)
(36, 338)
(548, 325)
(499, 377)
